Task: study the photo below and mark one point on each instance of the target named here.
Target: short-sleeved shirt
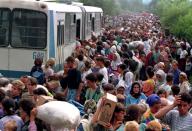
(177, 122)
(72, 80)
(93, 94)
(132, 100)
(147, 117)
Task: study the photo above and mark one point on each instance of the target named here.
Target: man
(169, 83)
(100, 62)
(93, 92)
(16, 91)
(175, 71)
(154, 103)
(73, 80)
(180, 119)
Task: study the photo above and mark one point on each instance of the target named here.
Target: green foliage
(175, 15)
(135, 5)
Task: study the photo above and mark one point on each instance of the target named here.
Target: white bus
(31, 29)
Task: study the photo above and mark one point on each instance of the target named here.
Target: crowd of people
(148, 70)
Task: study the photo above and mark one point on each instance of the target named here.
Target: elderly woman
(160, 78)
(136, 95)
(116, 61)
(183, 83)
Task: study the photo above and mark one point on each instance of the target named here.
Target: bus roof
(62, 7)
(24, 4)
(92, 9)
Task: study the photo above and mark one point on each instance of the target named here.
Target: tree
(175, 15)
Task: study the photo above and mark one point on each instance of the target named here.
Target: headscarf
(113, 49)
(163, 78)
(117, 62)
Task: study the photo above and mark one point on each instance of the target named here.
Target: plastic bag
(59, 114)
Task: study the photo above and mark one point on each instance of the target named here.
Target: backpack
(39, 75)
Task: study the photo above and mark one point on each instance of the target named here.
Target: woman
(37, 71)
(149, 84)
(116, 61)
(116, 123)
(48, 68)
(135, 96)
(8, 108)
(126, 78)
(25, 107)
(184, 83)
(160, 78)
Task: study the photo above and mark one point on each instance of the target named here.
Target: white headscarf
(115, 63)
(163, 78)
(113, 49)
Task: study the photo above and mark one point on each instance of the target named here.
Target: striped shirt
(177, 122)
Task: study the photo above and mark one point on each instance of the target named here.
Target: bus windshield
(29, 29)
(4, 26)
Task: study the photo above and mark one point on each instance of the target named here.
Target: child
(10, 126)
(131, 126)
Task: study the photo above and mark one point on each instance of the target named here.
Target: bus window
(60, 33)
(67, 27)
(4, 26)
(29, 29)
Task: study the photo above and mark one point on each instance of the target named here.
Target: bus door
(78, 29)
(60, 44)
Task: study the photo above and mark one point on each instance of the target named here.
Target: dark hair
(2, 95)
(107, 63)
(150, 71)
(119, 107)
(40, 91)
(101, 59)
(38, 61)
(80, 57)
(132, 113)
(99, 76)
(126, 62)
(133, 65)
(175, 90)
(70, 59)
(87, 64)
(125, 55)
(186, 97)
(99, 48)
(161, 91)
(123, 66)
(125, 47)
(32, 80)
(8, 106)
(92, 77)
(27, 105)
(108, 87)
(131, 91)
(169, 77)
(59, 97)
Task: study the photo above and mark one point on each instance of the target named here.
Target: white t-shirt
(183, 54)
(104, 72)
